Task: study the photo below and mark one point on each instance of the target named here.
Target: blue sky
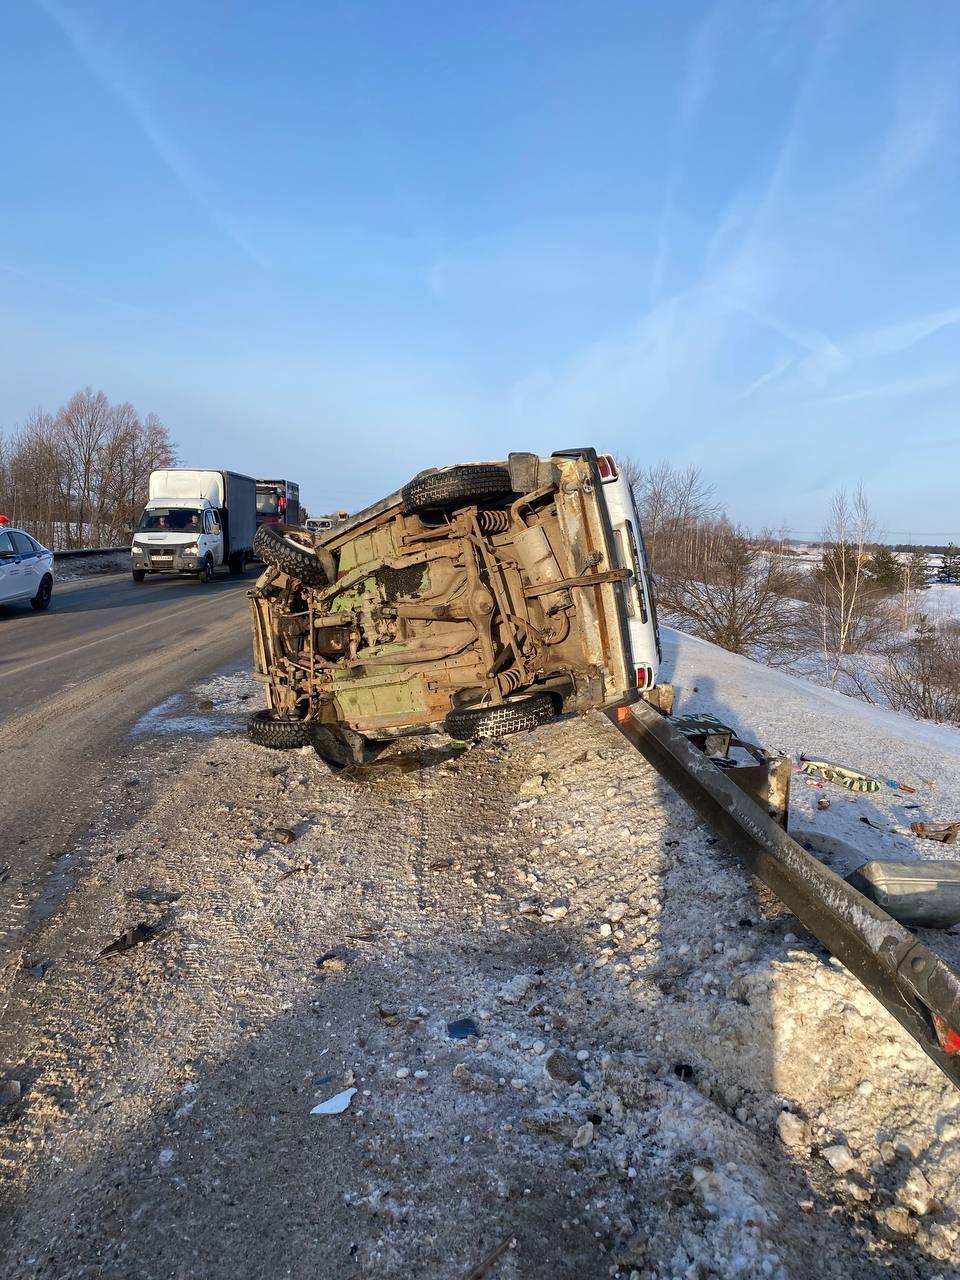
(346, 241)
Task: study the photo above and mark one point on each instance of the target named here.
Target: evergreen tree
(884, 570)
(950, 564)
(918, 569)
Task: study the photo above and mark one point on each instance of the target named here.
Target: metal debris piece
(335, 1105)
(39, 969)
(131, 937)
(283, 835)
(917, 893)
(945, 832)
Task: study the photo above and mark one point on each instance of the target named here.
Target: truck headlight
(136, 551)
(191, 550)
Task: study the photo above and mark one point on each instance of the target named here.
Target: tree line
(857, 613)
(79, 477)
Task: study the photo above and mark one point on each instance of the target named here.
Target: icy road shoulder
(665, 1081)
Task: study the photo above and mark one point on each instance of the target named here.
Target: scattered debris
(38, 969)
(915, 893)
(335, 1105)
(293, 871)
(823, 802)
(131, 937)
(945, 832)
(683, 1071)
(332, 963)
(556, 910)
(484, 1265)
(283, 835)
(849, 778)
(462, 1029)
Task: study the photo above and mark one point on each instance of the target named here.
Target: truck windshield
(180, 519)
(268, 503)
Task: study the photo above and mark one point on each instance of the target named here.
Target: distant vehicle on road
(195, 521)
(318, 524)
(278, 502)
(26, 568)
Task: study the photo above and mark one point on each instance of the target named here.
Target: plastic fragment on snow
(852, 779)
(335, 1105)
(462, 1029)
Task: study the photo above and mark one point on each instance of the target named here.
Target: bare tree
(921, 675)
(80, 477)
(739, 596)
(673, 505)
(843, 594)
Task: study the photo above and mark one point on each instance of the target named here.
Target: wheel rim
(301, 539)
(45, 592)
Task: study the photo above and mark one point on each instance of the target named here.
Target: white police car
(26, 568)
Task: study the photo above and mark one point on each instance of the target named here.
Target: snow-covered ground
(668, 1082)
(785, 713)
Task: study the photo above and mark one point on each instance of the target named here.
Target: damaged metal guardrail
(920, 990)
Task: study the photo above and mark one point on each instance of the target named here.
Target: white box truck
(195, 521)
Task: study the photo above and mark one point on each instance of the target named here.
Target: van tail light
(607, 468)
(644, 677)
(282, 503)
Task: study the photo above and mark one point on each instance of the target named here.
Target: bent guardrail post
(916, 986)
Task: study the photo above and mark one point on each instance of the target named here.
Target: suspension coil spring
(509, 680)
(493, 521)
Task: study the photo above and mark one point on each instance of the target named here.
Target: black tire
(455, 487)
(467, 724)
(281, 735)
(206, 573)
(139, 575)
(41, 600)
(284, 547)
(235, 564)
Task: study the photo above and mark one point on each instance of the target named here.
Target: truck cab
(278, 502)
(194, 522)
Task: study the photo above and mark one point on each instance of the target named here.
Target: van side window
(637, 573)
(211, 522)
(624, 564)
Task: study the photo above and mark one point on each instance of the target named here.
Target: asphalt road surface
(73, 681)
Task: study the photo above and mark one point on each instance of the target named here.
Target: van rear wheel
(468, 724)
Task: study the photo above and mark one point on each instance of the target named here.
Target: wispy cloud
(922, 113)
(898, 389)
(891, 339)
(697, 79)
(98, 57)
